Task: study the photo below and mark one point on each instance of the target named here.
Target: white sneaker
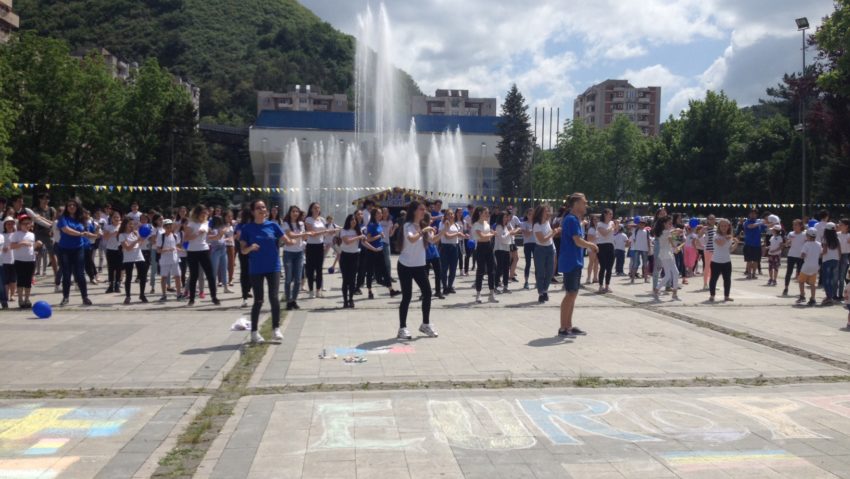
(256, 338)
(312, 294)
(427, 330)
(278, 335)
(478, 298)
(493, 297)
(320, 294)
(56, 288)
(403, 333)
(244, 303)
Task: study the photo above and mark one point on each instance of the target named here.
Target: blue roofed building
(280, 121)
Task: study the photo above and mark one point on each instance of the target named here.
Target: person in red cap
(24, 246)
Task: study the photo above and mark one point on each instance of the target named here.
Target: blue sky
(554, 50)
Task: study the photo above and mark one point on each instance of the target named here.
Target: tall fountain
(386, 149)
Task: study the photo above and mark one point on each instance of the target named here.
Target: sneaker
(541, 299)
(244, 303)
(320, 294)
(127, 300)
(190, 303)
(394, 293)
(801, 300)
(565, 333)
(812, 302)
(64, 302)
(492, 297)
(312, 294)
(728, 299)
(526, 286)
(295, 305)
(86, 301)
(578, 332)
(403, 333)
(330, 270)
(451, 291)
(202, 295)
(826, 302)
(478, 297)
(555, 280)
(110, 290)
(216, 302)
(785, 292)
(514, 280)
(505, 290)
(256, 338)
(143, 299)
(163, 298)
(55, 288)
(358, 292)
(371, 296)
(546, 297)
(289, 305)
(427, 330)
(278, 336)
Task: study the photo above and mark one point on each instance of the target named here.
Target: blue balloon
(812, 223)
(470, 244)
(42, 309)
(637, 219)
(145, 230)
(694, 222)
(185, 245)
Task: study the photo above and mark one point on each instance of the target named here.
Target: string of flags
(425, 193)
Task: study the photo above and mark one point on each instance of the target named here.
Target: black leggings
(470, 255)
(114, 264)
(376, 268)
(484, 256)
(88, 259)
(274, 297)
(792, 263)
(244, 277)
(503, 267)
(348, 265)
(315, 262)
(202, 259)
(141, 270)
(184, 265)
(434, 263)
(528, 249)
(606, 263)
(406, 276)
(718, 269)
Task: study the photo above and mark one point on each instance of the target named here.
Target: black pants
(434, 263)
(717, 270)
(315, 254)
(792, 263)
(376, 268)
(484, 256)
(200, 259)
(528, 250)
(619, 260)
(470, 255)
(244, 275)
(88, 259)
(348, 265)
(460, 250)
(680, 262)
(362, 268)
(406, 276)
(114, 263)
(73, 263)
(274, 297)
(184, 265)
(142, 270)
(606, 263)
(503, 267)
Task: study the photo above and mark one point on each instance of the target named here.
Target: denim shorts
(572, 280)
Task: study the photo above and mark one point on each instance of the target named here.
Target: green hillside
(229, 48)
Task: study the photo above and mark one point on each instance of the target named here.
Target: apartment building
(302, 98)
(601, 103)
(453, 103)
(9, 20)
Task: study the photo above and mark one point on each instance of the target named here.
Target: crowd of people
(206, 243)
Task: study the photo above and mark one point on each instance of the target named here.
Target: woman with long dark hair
(245, 217)
(259, 240)
(829, 268)
(721, 259)
(131, 248)
(73, 231)
(198, 253)
(350, 238)
(544, 252)
(606, 228)
(528, 243)
(449, 250)
(412, 267)
(592, 258)
(504, 241)
(483, 237)
(293, 255)
(315, 251)
(373, 254)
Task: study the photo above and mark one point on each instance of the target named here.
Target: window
(274, 175)
(303, 100)
(455, 103)
(632, 93)
(631, 106)
(490, 181)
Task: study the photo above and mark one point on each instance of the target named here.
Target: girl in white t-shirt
(168, 248)
(667, 250)
(544, 252)
(412, 266)
(450, 239)
(774, 254)
(350, 238)
(829, 267)
(794, 241)
(606, 228)
(592, 258)
(198, 252)
(483, 237)
(114, 258)
(315, 249)
(504, 240)
(721, 261)
(24, 246)
(131, 247)
(7, 258)
(528, 243)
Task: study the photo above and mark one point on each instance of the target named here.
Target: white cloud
(552, 49)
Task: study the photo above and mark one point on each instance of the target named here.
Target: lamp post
(173, 134)
(802, 26)
(480, 181)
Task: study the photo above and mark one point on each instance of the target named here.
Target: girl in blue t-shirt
(259, 240)
(72, 235)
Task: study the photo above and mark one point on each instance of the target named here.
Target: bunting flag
(426, 193)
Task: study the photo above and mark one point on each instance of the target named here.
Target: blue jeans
(293, 266)
(544, 267)
(448, 264)
(73, 262)
(638, 259)
(829, 278)
(218, 258)
(843, 265)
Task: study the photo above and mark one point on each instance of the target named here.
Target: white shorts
(169, 270)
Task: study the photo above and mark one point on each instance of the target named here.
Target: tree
(625, 145)
(8, 115)
(515, 147)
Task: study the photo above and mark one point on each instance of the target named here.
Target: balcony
(643, 99)
(9, 17)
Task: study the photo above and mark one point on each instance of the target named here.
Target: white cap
(8, 219)
(811, 232)
(773, 219)
(829, 226)
(167, 222)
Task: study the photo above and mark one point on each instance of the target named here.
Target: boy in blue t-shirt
(753, 229)
(571, 261)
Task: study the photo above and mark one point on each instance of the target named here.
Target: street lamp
(173, 134)
(802, 26)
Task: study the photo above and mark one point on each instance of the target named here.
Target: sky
(554, 50)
